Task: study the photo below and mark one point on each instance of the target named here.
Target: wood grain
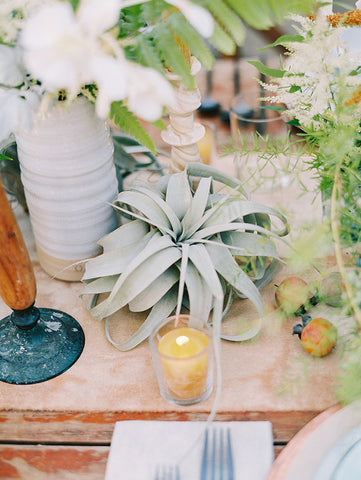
(17, 280)
(43, 462)
(97, 427)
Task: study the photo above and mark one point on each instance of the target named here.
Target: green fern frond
(263, 14)
(130, 125)
(130, 21)
(74, 3)
(227, 18)
(282, 7)
(172, 55)
(146, 54)
(222, 41)
(278, 7)
(160, 124)
(256, 14)
(153, 11)
(188, 35)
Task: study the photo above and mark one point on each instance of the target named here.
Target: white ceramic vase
(69, 180)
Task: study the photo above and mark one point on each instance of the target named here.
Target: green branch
(335, 228)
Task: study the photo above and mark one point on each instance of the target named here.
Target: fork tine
(157, 473)
(177, 473)
(217, 457)
(214, 459)
(166, 473)
(230, 467)
(204, 464)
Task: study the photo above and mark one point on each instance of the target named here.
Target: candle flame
(182, 339)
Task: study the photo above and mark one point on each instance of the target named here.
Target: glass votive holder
(207, 144)
(182, 353)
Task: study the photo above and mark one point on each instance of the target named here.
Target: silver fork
(217, 458)
(167, 473)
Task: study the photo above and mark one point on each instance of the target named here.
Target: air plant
(184, 248)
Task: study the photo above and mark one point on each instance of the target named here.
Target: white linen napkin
(138, 446)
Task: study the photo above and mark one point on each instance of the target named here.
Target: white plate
(310, 455)
(343, 461)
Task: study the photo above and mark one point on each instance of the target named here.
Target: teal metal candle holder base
(38, 344)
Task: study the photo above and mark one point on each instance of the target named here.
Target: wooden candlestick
(17, 280)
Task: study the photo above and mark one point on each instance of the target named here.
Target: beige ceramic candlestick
(182, 132)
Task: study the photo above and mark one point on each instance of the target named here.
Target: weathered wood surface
(44, 462)
(97, 427)
(51, 462)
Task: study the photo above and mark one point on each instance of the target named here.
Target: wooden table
(62, 428)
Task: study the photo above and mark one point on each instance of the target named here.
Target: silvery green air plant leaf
(180, 250)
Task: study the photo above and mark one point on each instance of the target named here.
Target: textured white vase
(69, 180)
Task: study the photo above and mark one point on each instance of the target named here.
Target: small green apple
(291, 295)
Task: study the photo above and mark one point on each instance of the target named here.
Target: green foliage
(74, 3)
(130, 124)
(130, 156)
(190, 38)
(334, 158)
(10, 173)
(130, 21)
(348, 386)
(156, 28)
(257, 14)
(154, 11)
(227, 17)
(172, 56)
(273, 72)
(263, 14)
(222, 41)
(146, 53)
(282, 40)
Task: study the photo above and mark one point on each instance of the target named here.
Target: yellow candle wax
(185, 360)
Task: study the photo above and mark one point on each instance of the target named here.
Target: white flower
(358, 5)
(111, 78)
(318, 72)
(16, 110)
(148, 92)
(60, 47)
(13, 15)
(11, 68)
(96, 18)
(56, 52)
(66, 51)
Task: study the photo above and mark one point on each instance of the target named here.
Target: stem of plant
(335, 228)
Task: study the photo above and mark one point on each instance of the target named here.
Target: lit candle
(185, 358)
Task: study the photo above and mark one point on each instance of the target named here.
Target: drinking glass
(252, 123)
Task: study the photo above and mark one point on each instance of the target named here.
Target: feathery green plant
(180, 249)
(323, 101)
